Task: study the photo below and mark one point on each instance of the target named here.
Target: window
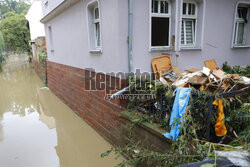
(241, 25)
(51, 39)
(94, 27)
(160, 24)
(97, 28)
(188, 27)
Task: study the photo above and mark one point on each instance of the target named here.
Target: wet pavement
(38, 130)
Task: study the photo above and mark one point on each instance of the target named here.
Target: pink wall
(217, 38)
(70, 37)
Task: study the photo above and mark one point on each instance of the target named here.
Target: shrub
(42, 57)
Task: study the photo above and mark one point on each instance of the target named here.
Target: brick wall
(39, 46)
(70, 85)
(41, 70)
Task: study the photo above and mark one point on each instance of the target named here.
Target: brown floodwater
(38, 130)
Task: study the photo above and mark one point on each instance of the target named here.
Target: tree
(18, 6)
(22, 6)
(15, 33)
(1, 50)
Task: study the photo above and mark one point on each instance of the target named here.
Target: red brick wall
(36, 66)
(68, 83)
(41, 70)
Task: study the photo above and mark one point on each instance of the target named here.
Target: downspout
(130, 49)
(130, 35)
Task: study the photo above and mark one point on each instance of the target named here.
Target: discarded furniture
(161, 65)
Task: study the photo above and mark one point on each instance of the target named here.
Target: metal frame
(210, 107)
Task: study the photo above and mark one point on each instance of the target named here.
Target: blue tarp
(179, 108)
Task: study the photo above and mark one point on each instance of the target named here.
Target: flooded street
(38, 130)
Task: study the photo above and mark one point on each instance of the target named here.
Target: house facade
(124, 35)
(34, 15)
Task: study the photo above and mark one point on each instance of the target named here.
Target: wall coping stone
(151, 127)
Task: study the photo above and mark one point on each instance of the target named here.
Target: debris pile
(214, 98)
(205, 110)
(215, 88)
(210, 78)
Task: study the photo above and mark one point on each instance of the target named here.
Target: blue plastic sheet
(179, 108)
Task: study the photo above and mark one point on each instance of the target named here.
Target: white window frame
(188, 17)
(237, 22)
(240, 3)
(90, 13)
(50, 32)
(161, 15)
(95, 21)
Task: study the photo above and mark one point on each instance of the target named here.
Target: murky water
(38, 130)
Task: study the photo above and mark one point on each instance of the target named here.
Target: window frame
(50, 32)
(95, 21)
(237, 22)
(187, 17)
(90, 13)
(160, 15)
(239, 4)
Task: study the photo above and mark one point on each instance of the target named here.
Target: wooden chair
(161, 65)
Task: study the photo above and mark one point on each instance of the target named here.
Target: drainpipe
(124, 90)
(130, 36)
(130, 40)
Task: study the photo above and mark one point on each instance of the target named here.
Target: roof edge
(58, 10)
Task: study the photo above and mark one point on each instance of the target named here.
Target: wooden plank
(179, 77)
(218, 73)
(226, 84)
(218, 87)
(192, 70)
(175, 70)
(207, 86)
(198, 80)
(211, 64)
(202, 87)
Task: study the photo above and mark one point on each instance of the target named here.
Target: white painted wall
(70, 37)
(34, 16)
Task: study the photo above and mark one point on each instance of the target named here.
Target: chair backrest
(161, 65)
(211, 64)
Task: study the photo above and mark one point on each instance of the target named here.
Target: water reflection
(37, 129)
(1, 129)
